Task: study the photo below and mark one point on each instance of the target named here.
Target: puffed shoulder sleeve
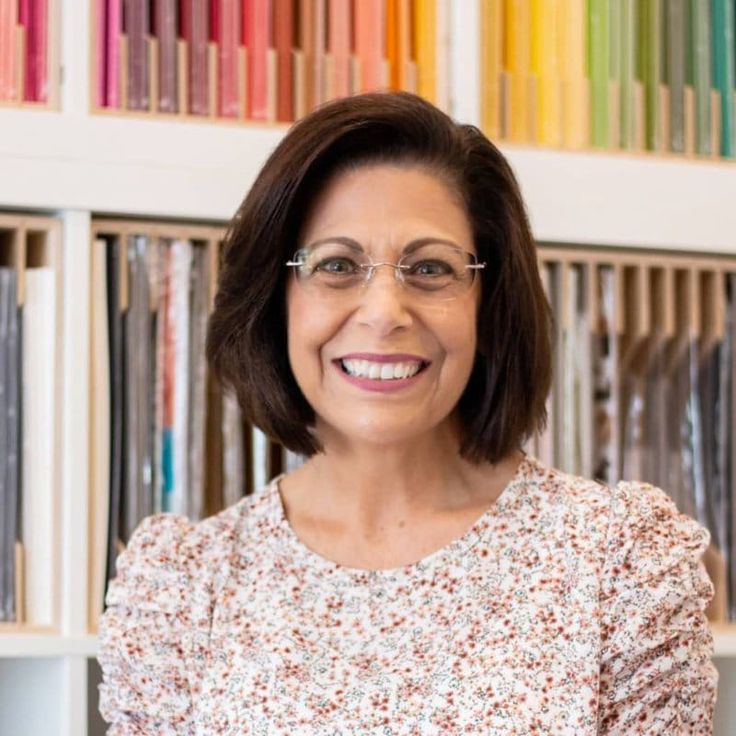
(656, 673)
(145, 687)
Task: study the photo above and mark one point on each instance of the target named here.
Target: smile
(381, 371)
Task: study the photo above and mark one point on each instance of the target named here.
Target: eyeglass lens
(434, 268)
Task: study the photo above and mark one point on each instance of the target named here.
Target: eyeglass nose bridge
(370, 269)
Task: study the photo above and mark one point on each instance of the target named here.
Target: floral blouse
(568, 607)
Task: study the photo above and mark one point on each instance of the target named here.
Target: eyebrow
(408, 248)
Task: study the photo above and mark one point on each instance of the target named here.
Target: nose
(384, 301)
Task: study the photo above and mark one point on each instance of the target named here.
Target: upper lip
(385, 357)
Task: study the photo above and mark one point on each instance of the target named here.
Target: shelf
(47, 645)
(622, 199)
(153, 167)
(121, 165)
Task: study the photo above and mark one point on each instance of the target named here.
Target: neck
(372, 490)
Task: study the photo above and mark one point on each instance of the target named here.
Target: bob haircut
(504, 401)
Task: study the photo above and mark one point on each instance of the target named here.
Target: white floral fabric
(568, 607)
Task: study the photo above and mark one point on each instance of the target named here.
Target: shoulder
(150, 566)
(647, 536)
(568, 502)
(168, 550)
(631, 523)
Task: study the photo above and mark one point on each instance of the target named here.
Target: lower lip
(382, 386)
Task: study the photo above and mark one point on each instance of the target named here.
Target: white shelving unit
(74, 164)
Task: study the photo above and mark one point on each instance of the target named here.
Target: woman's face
(383, 208)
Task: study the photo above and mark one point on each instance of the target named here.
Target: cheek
(309, 326)
(465, 343)
(297, 331)
(459, 335)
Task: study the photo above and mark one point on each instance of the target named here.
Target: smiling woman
(380, 311)
(452, 184)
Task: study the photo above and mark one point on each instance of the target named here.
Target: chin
(378, 432)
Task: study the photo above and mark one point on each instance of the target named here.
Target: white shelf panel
(724, 640)
(133, 165)
(628, 200)
(47, 645)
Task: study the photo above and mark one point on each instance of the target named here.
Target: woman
(380, 312)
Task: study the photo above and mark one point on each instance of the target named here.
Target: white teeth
(381, 371)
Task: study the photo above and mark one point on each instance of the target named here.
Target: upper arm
(145, 686)
(656, 674)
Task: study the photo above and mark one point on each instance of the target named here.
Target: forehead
(379, 205)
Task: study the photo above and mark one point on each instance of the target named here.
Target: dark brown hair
(504, 401)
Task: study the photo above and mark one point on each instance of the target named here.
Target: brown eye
(337, 266)
(431, 268)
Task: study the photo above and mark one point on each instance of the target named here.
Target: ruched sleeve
(144, 633)
(656, 674)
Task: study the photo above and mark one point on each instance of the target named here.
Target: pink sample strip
(34, 17)
(114, 24)
(8, 22)
(258, 28)
(339, 45)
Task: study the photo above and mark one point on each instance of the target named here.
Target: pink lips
(387, 386)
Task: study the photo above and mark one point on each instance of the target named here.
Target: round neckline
(319, 561)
